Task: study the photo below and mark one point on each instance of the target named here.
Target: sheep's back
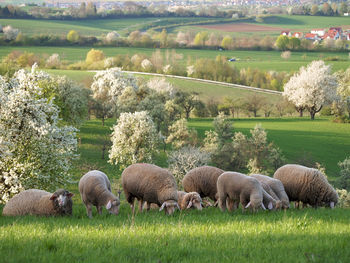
(26, 202)
(202, 180)
(149, 182)
(92, 185)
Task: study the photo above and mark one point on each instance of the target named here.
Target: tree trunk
(300, 113)
(103, 121)
(312, 114)
(255, 113)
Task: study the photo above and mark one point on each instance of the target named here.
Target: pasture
(263, 60)
(273, 25)
(307, 235)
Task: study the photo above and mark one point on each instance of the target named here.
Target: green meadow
(307, 235)
(263, 60)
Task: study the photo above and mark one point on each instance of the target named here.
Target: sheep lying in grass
(39, 202)
(236, 187)
(307, 185)
(188, 200)
(152, 184)
(95, 189)
(202, 180)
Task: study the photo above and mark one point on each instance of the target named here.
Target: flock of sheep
(155, 186)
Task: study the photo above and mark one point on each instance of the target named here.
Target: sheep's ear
(70, 195)
(332, 205)
(53, 197)
(247, 205)
(162, 207)
(270, 206)
(109, 205)
(189, 205)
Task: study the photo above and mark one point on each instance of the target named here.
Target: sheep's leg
(235, 204)
(140, 205)
(89, 210)
(99, 209)
(222, 203)
(296, 205)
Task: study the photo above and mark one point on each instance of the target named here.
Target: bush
(94, 55)
(73, 36)
(186, 158)
(344, 179)
(344, 198)
(180, 135)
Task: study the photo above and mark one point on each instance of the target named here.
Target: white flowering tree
(185, 159)
(38, 151)
(10, 33)
(107, 86)
(162, 86)
(112, 37)
(134, 139)
(344, 89)
(180, 135)
(312, 87)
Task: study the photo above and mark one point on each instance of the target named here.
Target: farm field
(304, 235)
(264, 60)
(205, 91)
(319, 140)
(273, 25)
(95, 27)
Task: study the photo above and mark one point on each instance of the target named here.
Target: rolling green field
(205, 91)
(95, 27)
(306, 235)
(285, 22)
(264, 60)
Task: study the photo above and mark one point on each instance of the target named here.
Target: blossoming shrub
(38, 150)
(134, 139)
(186, 158)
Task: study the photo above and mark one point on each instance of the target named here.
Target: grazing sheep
(270, 202)
(188, 200)
(275, 188)
(202, 180)
(39, 202)
(307, 185)
(95, 189)
(152, 184)
(236, 187)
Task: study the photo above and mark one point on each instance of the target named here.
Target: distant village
(319, 34)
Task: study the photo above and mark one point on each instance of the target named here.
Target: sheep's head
(331, 199)
(62, 200)
(285, 204)
(194, 200)
(113, 206)
(170, 206)
(278, 205)
(256, 205)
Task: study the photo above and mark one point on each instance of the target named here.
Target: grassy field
(95, 27)
(306, 235)
(264, 60)
(209, 236)
(205, 91)
(286, 22)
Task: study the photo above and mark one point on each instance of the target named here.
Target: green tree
(94, 55)
(326, 9)
(343, 8)
(294, 43)
(314, 10)
(282, 42)
(73, 36)
(227, 42)
(200, 38)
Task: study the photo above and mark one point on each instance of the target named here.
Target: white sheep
(152, 184)
(307, 185)
(235, 187)
(95, 189)
(39, 202)
(275, 188)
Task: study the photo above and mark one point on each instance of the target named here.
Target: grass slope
(320, 140)
(264, 60)
(209, 236)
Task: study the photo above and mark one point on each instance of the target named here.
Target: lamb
(275, 188)
(235, 187)
(95, 189)
(202, 180)
(269, 201)
(307, 185)
(152, 184)
(39, 202)
(188, 200)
